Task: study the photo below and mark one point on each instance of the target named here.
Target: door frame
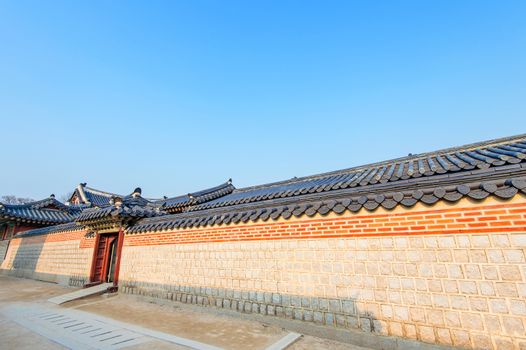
(119, 236)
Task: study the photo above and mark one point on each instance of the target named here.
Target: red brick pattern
(480, 219)
(57, 237)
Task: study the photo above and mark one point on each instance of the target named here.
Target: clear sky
(176, 96)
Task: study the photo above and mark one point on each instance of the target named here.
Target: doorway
(105, 258)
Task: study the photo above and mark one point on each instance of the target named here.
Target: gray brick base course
(334, 312)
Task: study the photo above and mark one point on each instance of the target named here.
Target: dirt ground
(190, 322)
(12, 290)
(196, 323)
(226, 332)
(25, 290)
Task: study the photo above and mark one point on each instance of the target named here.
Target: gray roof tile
(503, 189)
(475, 171)
(47, 211)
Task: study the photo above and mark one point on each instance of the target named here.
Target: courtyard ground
(24, 307)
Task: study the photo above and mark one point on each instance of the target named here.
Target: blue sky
(175, 96)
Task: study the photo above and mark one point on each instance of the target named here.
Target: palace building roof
(120, 212)
(88, 196)
(47, 211)
(476, 171)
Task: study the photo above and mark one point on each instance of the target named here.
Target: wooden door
(98, 265)
(106, 258)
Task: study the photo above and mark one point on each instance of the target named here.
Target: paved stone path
(76, 329)
(29, 322)
(73, 330)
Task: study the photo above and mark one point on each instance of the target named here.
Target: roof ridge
(211, 189)
(199, 193)
(49, 209)
(466, 147)
(100, 192)
(33, 203)
(504, 188)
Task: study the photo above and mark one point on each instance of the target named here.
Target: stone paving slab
(74, 330)
(284, 342)
(13, 336)
(81, 293)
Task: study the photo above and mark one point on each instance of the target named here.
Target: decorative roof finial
(117, 202)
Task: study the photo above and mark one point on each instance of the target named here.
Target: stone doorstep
(350, 336)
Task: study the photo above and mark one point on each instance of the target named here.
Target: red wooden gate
(98, 265)
(103, 255)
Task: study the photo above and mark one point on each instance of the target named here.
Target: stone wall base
(64, 280)
(332, 312)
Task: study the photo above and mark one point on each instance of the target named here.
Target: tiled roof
(130, 207)
(124, 211)
(47, 211)
(496, 167)
(99, 208)
(492, 168)
(68, 227)
(93, 197)
(503, 189)
(47, 202)
(179, 203)
(420, 167)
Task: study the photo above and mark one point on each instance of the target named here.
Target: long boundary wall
(448, 274)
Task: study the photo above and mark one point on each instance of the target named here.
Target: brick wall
(491, 218)
(64, 258)
(449, 274)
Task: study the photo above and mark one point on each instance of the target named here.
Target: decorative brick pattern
(481, 219)
(55, 237)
